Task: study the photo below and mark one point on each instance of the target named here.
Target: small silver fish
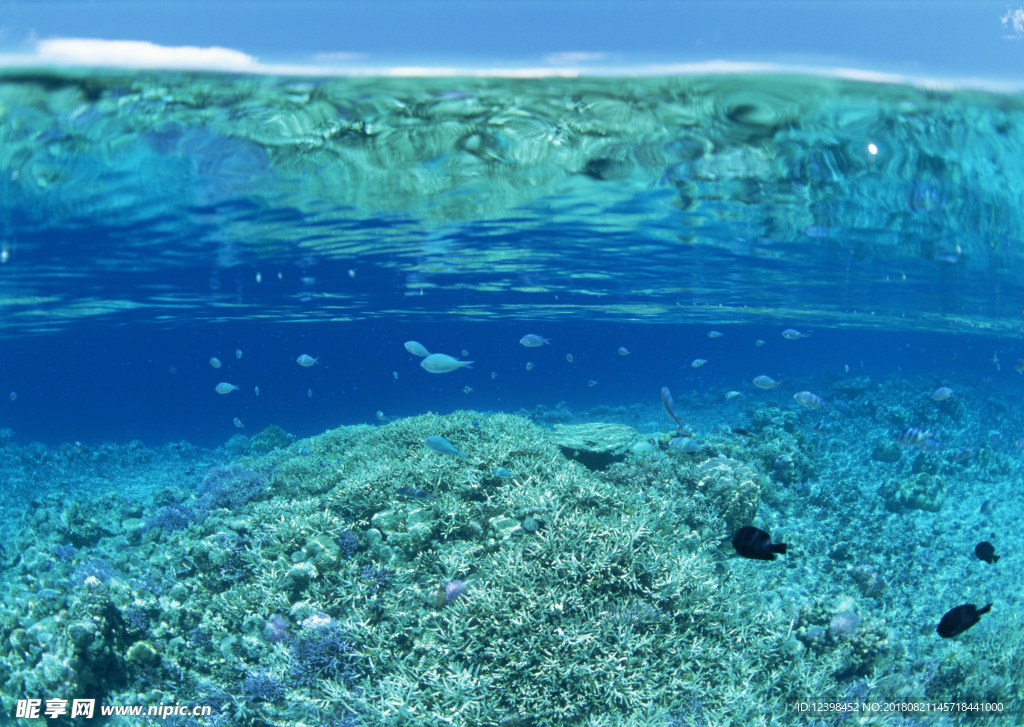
(623, 351)
(698, 362)
(238, 423)
(501, 472)
(532, 340)
(792, 334)
(715, 334)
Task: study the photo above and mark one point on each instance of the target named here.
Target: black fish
(986, 552)
(751, 542)
(413, 492)
(959, 619)
(744, 433)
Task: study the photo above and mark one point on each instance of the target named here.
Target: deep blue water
(156, 385)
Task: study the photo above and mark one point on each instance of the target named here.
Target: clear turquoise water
(152, 221)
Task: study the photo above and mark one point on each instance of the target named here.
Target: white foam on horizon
(143, 55)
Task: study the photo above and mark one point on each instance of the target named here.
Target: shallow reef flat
(359, 577)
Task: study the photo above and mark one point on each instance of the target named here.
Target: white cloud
(1016, 19)
(140, 54)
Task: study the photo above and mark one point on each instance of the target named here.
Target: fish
(914, 437)
(623, 351)
(733, 394)
(765, 382)
(669, 406)
(380, 415)
(416, 349)
(222, 388)
(591, 382)
(501, 472)
(14, 395)
(306, 452)
(1019, 365)
(476, 424)
(466, 389)
(986, 552)
(307, 360)
(809, 400)
(464, 353)
(395, 374)
(215, 362)
(256, 389)
(792, 334)
(759, 342)
(440, 363)
(698, 362)
(238, 423)
(238, 353)
(821, 427)
(309, 393)
(744, 433)
(414, 493)
(942, 393)
(529, 365)
(756, 544)
(568, 357)
(685, 445)
(441, 445)
(715, 334)
(959, 619)
(494, 375)
(532, 340)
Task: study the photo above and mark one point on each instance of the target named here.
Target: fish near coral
(668, 405)
(808, 400)
(756, 544)
(765, 382)
(942, 393)
(959, 619)
(440, 363)
(685, 445)
(441, 445)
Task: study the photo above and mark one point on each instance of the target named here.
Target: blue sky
(948, 39)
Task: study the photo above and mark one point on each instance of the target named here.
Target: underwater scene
(680, 401)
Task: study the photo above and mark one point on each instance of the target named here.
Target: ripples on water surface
(169, 197)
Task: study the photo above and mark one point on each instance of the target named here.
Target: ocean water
(165, 543)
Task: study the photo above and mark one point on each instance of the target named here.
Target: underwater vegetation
(553, 571)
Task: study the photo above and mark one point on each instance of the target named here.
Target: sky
(951, 39)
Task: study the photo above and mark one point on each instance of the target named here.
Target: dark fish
(476, 424)
(986, 552)
(751, 542)
(413, 492)
(987, 507)
(668, 405)
(959, 619)
(744, 433)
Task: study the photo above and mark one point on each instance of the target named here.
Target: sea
(667, 307)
